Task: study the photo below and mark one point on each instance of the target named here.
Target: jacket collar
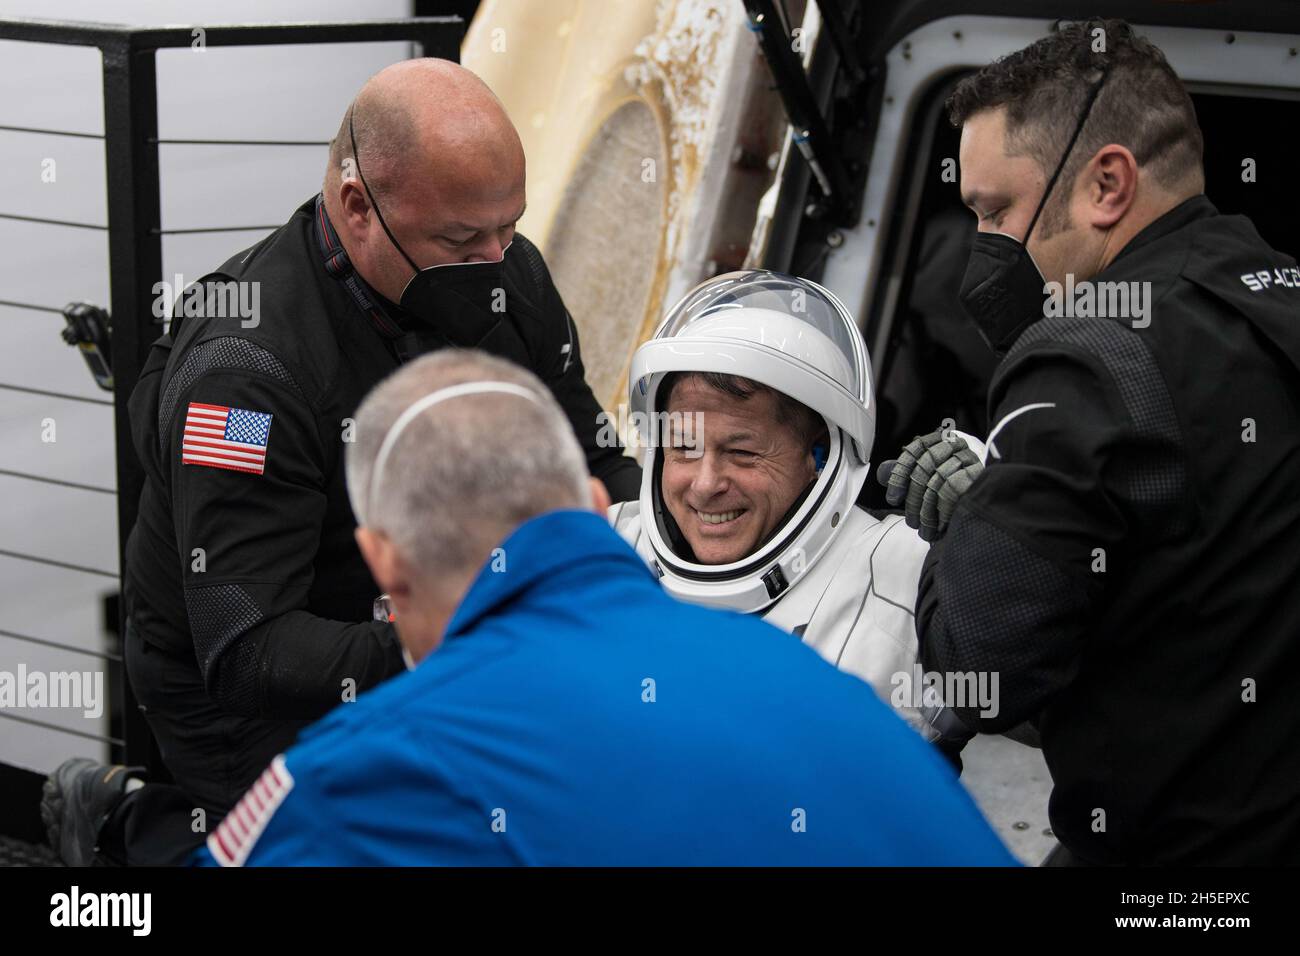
(383, 314)
(1187, 211)
(543, 552)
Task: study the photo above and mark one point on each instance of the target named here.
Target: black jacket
(1129, 562)
(257, 576)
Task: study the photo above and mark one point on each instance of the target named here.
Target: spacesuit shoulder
(896, 560)
(883, 551)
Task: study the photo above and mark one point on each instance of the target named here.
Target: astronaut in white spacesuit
(755, 404)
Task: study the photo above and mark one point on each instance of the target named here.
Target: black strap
(1060, 167)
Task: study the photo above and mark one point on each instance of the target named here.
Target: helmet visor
(808, 303)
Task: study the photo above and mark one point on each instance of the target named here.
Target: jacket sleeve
(567, 379)
(359, 793)
(1083, 461)
(279, 821)
(248, 541)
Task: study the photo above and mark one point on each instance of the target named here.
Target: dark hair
(792, 414)
(1044, 87)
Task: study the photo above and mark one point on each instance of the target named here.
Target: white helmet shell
(793, 336)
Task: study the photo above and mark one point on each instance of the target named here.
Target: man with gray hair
(428, 514)
(560, 708)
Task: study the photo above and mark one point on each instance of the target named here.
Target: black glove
(931, 473)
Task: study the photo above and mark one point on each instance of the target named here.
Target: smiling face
(728, 480)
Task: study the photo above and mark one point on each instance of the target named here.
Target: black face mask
(464, 301)
(1002, 290)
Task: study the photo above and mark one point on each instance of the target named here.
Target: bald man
(250, 609)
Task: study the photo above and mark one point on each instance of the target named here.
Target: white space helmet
(797, 338)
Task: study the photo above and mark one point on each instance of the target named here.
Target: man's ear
(600, 500)
(355, 205)
(1112, 186)
(386, 565)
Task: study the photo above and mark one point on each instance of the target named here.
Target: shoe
(76, 799)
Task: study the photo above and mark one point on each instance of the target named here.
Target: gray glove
(928, 478)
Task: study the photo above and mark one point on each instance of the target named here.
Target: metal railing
(135, 232)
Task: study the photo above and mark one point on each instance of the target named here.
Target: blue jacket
(577, 715)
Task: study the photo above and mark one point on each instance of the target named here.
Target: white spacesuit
(842, 580)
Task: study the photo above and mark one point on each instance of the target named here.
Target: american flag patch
(222, 437)
(234, 839)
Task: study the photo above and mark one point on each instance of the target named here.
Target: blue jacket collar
(538, 551)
